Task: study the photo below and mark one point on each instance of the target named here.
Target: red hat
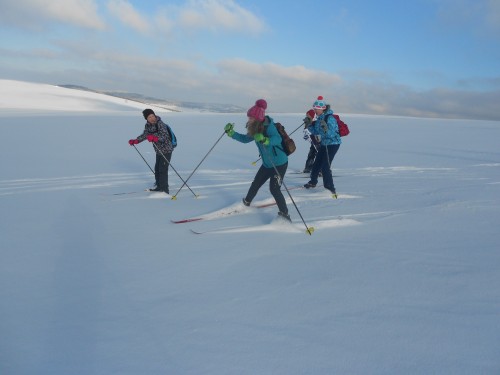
(258, 111)
(311, 113)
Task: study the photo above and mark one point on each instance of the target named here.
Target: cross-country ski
(280, 226)
(235, 209)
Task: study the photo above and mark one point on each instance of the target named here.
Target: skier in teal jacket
(261, 130)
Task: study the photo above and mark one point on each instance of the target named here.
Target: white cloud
(126, 13)
(241, 82)
(34, 14)
(194, 15)
(219, 15)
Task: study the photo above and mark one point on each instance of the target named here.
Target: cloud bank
(196, 76)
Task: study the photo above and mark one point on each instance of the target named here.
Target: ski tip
(186, 220)
(310, 230)
(334, 196)
(174, 198)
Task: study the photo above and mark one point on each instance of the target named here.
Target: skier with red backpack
(326, 130)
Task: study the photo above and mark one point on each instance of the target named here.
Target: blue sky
(417, 58)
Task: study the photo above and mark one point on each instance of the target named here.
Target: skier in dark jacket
(160, 134)
(261, 129)
(313, 150)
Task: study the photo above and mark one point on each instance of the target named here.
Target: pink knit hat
(319, 103)
(258, 111)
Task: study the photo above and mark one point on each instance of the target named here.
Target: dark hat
(147, 112)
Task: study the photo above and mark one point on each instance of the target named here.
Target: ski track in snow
(207, 182)
(206, 179)
(281, 226)
(254, 207)
(297, 226)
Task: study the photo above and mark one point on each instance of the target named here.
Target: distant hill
(175, 106)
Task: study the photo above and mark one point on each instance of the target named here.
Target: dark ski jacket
(160, 129)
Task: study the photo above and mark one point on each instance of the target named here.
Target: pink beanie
(258, 111)
(319, 103)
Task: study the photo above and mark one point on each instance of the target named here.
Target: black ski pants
(161, 171)
(323, 164)
(264, 174)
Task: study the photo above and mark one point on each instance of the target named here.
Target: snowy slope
(20, 96)
(400, 276)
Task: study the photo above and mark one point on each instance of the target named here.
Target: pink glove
(133, 142)
(152, 138)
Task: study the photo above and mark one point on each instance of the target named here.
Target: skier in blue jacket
(261, 129)
(326, 129)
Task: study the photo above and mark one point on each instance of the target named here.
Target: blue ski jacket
(272, 153)
(326, 128)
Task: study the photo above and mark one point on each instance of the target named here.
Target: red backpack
(343, 128)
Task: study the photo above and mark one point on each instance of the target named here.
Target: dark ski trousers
(310, 158)
(264, 174)
(161, 171)
(322, 164)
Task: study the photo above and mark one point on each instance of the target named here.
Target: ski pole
(170, 164)
(260, 157)
(309, 230)
(298, 127)
(255, 162)
(310, 140)
(144, 160)
(174, 197)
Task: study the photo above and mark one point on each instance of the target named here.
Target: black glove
(307, 121)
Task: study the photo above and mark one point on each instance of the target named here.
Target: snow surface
(401, 275)
(18, 95)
